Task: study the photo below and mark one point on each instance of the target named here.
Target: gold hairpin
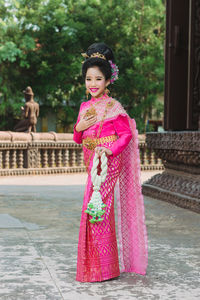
(84, 55)
(96, 54)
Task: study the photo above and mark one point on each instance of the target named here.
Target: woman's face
(95, 82)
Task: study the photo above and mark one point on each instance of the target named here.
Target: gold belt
(91, 143)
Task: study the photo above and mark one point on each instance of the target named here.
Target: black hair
(102, 64)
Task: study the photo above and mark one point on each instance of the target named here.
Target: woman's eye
(88, 79)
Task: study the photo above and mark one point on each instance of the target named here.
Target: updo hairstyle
(102, 64)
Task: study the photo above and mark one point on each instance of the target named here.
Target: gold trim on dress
(91, 143)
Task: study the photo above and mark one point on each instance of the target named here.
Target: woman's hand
(85, 123)
(101, 150)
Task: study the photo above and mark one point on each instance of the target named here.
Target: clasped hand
(85, 123)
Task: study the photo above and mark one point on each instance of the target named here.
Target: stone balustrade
(50, 153)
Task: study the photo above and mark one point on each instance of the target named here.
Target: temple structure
(179, 145)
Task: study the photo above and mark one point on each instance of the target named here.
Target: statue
(30, 112)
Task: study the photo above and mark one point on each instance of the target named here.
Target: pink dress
(97, 248)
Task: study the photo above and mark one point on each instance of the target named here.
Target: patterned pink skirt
(97, 247)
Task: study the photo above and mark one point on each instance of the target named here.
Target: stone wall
(50, 152)
(180, 181)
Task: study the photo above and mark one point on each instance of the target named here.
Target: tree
(41, 42)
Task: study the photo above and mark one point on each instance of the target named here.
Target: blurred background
(41, 44)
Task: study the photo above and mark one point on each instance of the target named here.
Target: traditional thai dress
(97, 247)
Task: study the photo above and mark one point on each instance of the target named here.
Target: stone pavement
(39, 224)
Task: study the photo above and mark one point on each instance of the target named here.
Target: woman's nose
(93, 82)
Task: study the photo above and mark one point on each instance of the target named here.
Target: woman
(103, 126)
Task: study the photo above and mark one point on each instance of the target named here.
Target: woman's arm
(78, 134)
(123, 130)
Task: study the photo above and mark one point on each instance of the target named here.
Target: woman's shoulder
(115, 108)
(115, 101)
(83, 105)
(117, 104)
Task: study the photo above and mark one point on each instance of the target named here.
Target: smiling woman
(96, 82)
(103, 126)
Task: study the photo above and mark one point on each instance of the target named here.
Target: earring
(87, 94)
(107, 91)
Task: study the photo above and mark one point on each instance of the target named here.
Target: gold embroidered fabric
(99, 108)
(91, 143)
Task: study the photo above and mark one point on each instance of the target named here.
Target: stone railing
(48, 153)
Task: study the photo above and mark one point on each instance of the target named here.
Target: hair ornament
(84, 55)
(96, 54)
(115, 71)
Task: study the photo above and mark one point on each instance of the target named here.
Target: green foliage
(41, 42)
(9, 51)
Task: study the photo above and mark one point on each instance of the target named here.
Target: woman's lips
(93, 90)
